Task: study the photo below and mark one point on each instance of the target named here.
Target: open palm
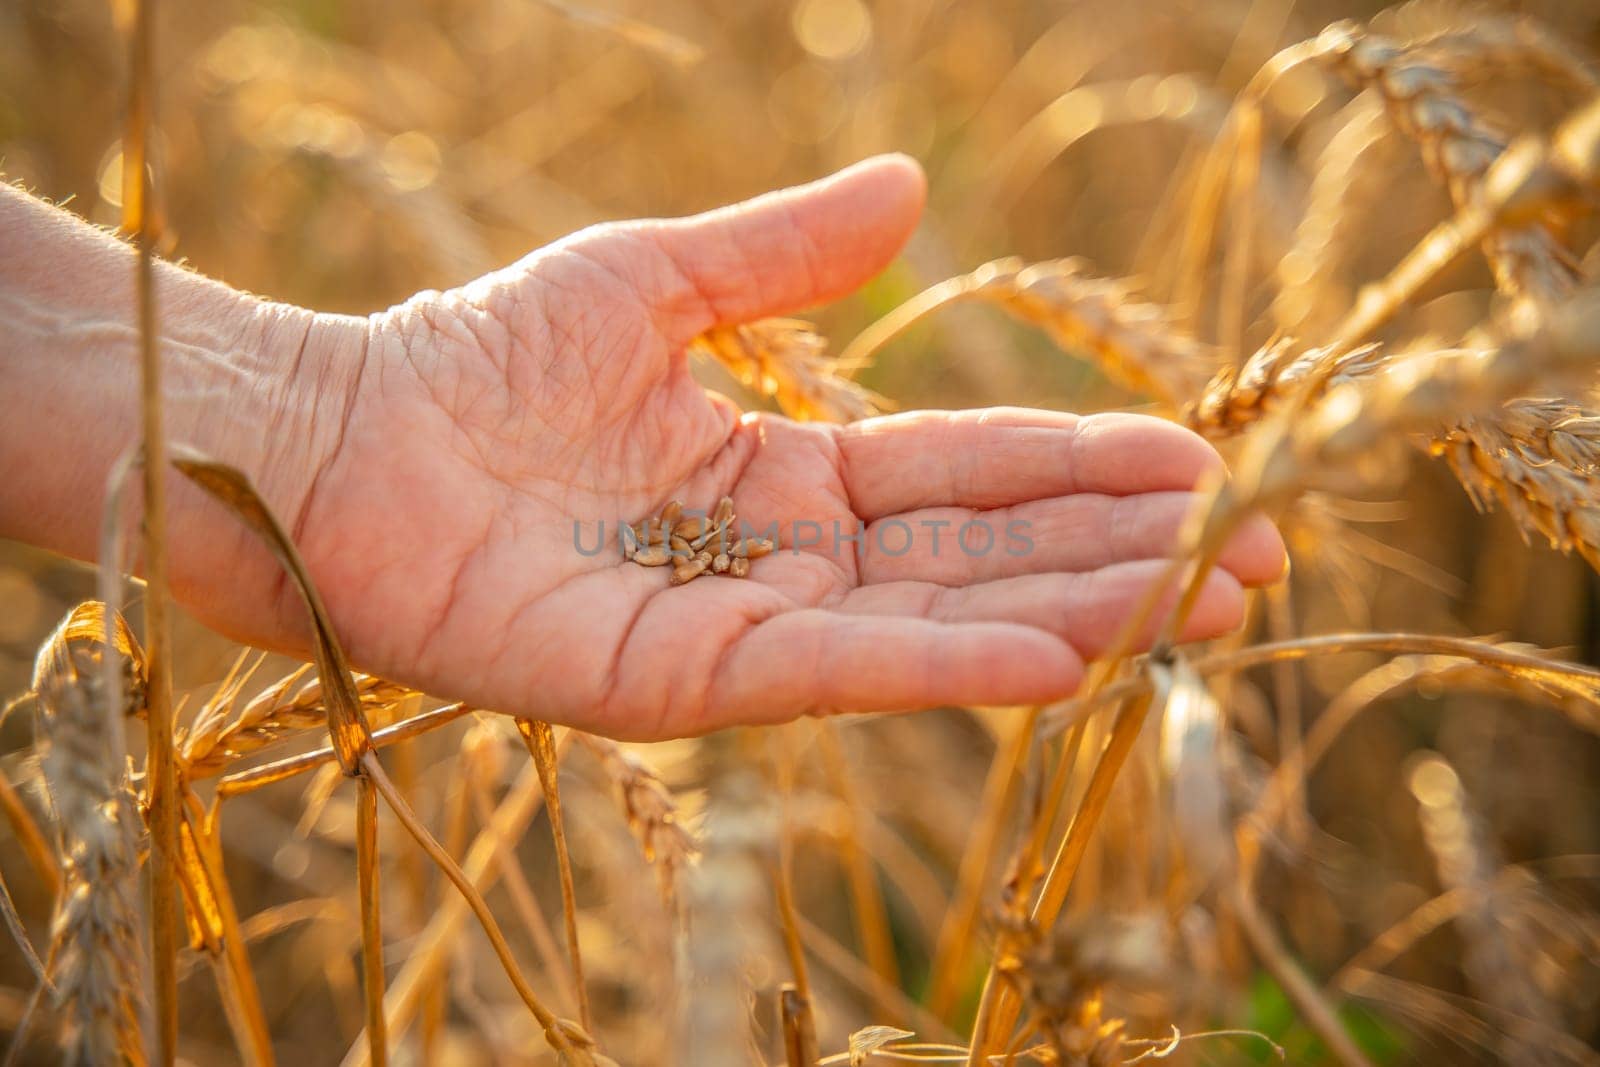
(494, 429)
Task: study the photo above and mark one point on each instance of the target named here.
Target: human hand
(484, 423)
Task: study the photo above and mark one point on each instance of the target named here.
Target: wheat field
(1352, 244)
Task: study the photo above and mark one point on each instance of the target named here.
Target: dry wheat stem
(1307, 999)
(1325, 228)
(539, 738)
(1233, 292)
(1000, 1006)
(522, 898)
(1135, 343)
(371, 929)
(799, 1028)
(1215, 173)
(19, 934)
(554, 1033)
(248, 781)
(224, 940)
(1575, 678)
(139, 219)
(782, 876)
(1436, 911)
(957, 934)
(433, 944)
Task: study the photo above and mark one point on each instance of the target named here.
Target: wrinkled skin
(485, 421)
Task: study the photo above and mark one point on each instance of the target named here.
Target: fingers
(908, 645)
(1083, 532)
(816, 659)
(777, 253)
(1000, 456)
(1086, 610)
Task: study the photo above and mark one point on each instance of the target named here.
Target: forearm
(242, 380)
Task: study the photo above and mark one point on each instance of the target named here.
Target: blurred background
(342, 154)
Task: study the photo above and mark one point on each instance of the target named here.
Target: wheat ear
(276, 713)
(1422, 98)
(98, 957)
(1134, 343)
(787, 360)
(651, 811)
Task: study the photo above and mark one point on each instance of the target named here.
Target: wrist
(262, 386)
(275, 407)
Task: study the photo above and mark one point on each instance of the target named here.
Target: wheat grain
(694, 543)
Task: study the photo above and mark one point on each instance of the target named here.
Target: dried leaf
(203, 915)
(1191, 765)
(347, 727)
(866, 1041)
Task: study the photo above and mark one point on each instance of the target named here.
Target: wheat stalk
(95, 932)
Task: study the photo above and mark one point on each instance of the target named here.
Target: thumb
(777, 253)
